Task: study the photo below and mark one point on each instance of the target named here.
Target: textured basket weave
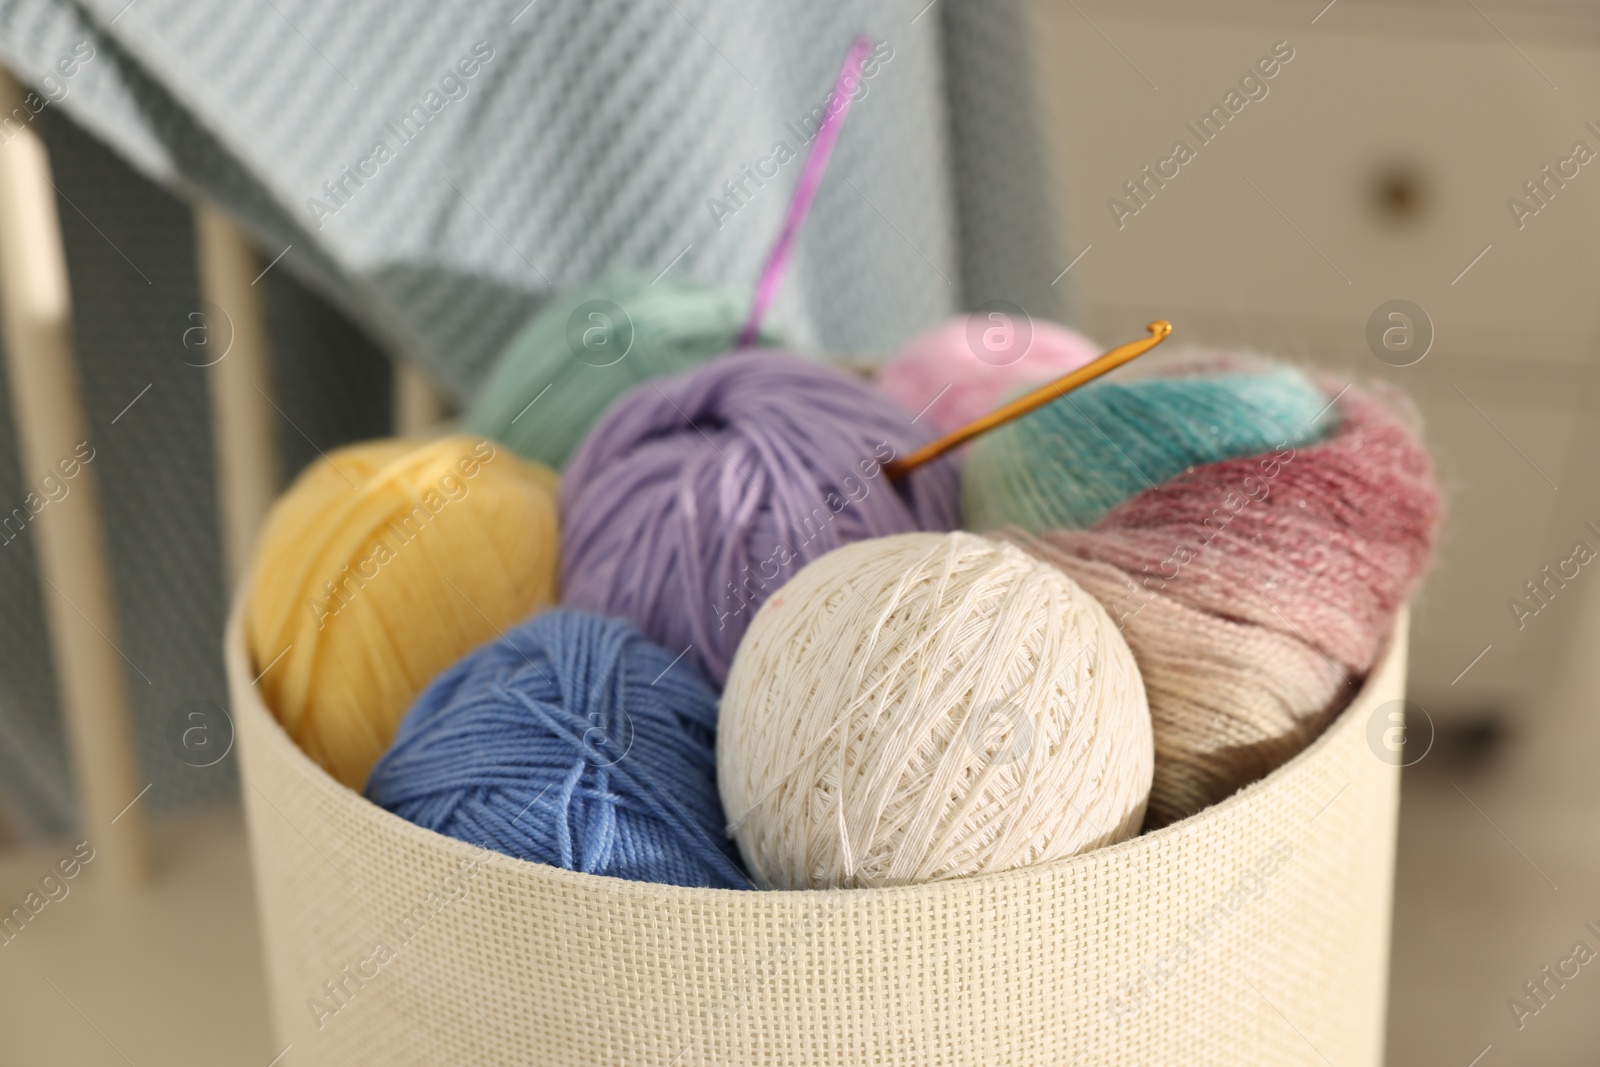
(1161, 950)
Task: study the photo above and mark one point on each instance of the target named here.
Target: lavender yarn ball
(695, 498)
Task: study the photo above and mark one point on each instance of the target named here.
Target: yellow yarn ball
(929, 706)
(383, 564)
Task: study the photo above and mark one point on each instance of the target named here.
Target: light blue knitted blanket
(436, 170)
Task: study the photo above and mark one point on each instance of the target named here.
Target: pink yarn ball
(1015, 354)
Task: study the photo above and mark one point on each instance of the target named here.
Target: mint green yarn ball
(558, 375)
(1068, 463)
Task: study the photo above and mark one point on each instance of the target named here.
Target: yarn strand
(1256, 592)
(570, 741)
(929, 706)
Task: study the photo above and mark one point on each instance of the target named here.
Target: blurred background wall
(1376, 168)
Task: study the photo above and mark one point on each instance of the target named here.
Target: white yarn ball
(929, 706)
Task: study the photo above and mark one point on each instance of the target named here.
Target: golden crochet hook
(1055, 390)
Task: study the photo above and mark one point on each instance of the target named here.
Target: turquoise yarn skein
(1070, 462)
(583, 350)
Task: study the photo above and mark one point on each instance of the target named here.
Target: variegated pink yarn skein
(1257, 592)
(941, 374)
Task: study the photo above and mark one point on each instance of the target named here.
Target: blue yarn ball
(571, 741)
(1068, 463)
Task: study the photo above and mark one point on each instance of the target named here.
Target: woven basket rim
(240, 666)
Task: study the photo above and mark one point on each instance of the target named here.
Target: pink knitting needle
(806, 191)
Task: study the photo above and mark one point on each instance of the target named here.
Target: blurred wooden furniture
(36, 305)
(1378, 166)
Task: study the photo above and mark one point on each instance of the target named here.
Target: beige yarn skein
(929, 706)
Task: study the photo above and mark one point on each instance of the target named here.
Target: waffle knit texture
(588, 135)
(1191, 944)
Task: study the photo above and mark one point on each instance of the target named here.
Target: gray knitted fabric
(526, 148)
(130, 257)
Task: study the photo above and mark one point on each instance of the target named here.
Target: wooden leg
(418, 405)
(69, 535)
(242, 394)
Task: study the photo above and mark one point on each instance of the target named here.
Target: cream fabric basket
(1256, 932)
